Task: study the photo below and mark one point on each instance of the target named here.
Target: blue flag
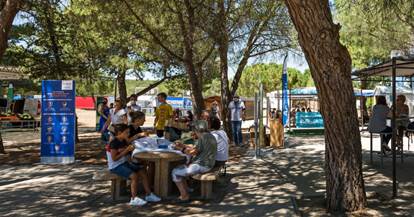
(285, 100)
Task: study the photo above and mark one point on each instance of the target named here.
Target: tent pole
(394, 130)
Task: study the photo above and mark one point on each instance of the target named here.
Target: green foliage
(271, 77)
(370, 31)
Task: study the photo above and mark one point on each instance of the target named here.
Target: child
(137, 120)
(119, 165)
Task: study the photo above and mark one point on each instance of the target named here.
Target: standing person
(163, 113)
(117, 154)
(378, 121)
(237, 111)
(132, 104)
(103, 110)
(117, 115)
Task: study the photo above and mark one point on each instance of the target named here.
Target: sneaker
(152, 198)
(137, 202)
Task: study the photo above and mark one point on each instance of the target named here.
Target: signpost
(58, 121)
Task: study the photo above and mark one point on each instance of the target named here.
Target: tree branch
(151, 32)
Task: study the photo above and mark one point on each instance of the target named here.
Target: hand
(130, 148)
(194, 135)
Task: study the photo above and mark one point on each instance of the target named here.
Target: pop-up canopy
(404, 68)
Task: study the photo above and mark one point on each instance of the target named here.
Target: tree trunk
(8, 12)
(187, 30)
(330, 65)
(223, 47)
(122, 86)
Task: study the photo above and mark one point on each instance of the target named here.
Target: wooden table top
(159, 155)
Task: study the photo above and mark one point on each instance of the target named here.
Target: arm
(137, 136)
(108, 121)
(116, 155)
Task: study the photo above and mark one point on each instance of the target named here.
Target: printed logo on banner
(58, 122)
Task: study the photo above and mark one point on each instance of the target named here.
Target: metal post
(394, 130)
(290, 107)
(255, 125)
(261, 133)
(268, 110)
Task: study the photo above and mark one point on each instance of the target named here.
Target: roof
(404, 68)
(10, 73)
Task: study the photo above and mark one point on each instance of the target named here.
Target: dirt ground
(288, 182)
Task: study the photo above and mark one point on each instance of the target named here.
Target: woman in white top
(378, 121)
(222, 141)
(117, 115)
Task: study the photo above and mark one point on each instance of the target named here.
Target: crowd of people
(122, 124)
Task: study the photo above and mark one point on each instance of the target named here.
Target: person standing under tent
(215, 111)
(163, 113)
(237, 112)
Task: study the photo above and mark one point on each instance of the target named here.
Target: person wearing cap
(237, 112)
(203, 158)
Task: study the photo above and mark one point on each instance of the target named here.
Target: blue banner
(285, 100)
(58, 122)
(309, 120)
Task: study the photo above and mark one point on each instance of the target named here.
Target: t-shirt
(236, 109)
(134, 131)
(222, 145)
(378, 121)
(207, 150)
(117, 117)
(116, 144)
(163, 113)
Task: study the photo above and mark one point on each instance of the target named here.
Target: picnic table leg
(165, 184)
(370, 150)
(157, 177)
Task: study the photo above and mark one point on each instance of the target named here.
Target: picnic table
(162, 162)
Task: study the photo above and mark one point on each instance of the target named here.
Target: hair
(215, 123)
(381, 100)
(119, 128)
(402, 97)
(136, 115)
(163, 95)
(200, 126)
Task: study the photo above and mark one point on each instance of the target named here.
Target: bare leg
(142, 175)
(134, 184)
(183, 190)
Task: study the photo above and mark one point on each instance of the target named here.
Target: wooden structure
(206, 181)
(164, 163)
(395, 67)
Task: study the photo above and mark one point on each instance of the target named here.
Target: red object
(85, 102)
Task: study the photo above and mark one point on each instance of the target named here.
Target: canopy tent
(396, 67)
(10, 73)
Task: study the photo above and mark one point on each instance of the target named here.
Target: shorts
(182, 171)
(126, 169)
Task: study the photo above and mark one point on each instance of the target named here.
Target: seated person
(137, 120)
(118, 164)
(378, 121)
(401, 113)
(204, 157)
(222, 141)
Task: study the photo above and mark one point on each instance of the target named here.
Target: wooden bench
(206, 180)
(118, 183)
